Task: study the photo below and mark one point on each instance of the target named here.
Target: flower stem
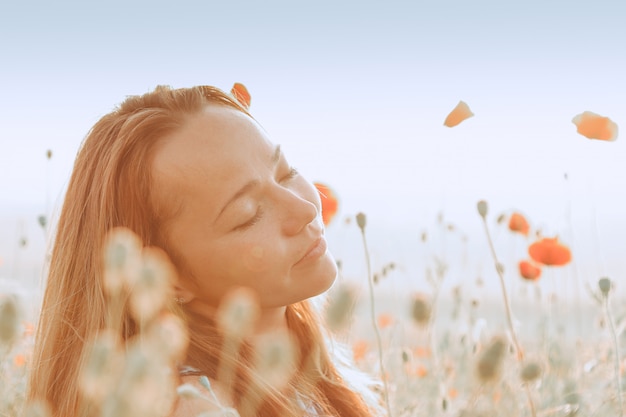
(374, 324)
(507, 307)
(618, 384)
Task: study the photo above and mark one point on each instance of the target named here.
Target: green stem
(507, 307)
(373, 316)
(618, 384)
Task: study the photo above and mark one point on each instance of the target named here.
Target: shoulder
(198, 395)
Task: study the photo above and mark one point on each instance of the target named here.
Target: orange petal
(518, 223)
(329, 202)
(529, 271)
(385, 320)
(549, 251)
(458, 114)
(359, 349)
(594, 126)
(240, 92)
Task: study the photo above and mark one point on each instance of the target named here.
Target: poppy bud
(421, 309)
(482, 208)
(605, 285)
(361, 220)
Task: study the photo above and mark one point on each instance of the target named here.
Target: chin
(327, 273)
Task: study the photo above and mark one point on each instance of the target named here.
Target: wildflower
(340, 307)
(276, 357)
(605, 285)
(490, 361)
(9, 321)
(594, 126)
(482, 208)
(549, 251)
(529, 271)
(122, 255)
(530, 372)
(238, 312)
(458, 114)
(329, 202)
(151, 288)
(241, 94)
(518, 223)
(421, 309)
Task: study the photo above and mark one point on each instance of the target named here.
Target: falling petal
(594, 126)
(458, 114)
(549, 251)
(240, 92)
(329, 200)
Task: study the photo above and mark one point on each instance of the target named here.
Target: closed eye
(254, 220)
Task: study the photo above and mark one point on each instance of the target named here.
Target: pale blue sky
(356, 92)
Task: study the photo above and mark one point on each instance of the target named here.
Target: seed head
(482, 208)
(122, 256)
(361, 221)
(276, 357)
(152, 285)
(421, 309)
(102, 368)
(9, 321)
(605, 285)
(490, 361)
(238, 312)
(530, 371)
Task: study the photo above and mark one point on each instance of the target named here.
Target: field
(479, 346)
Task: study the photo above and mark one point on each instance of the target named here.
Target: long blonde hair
(111, 187)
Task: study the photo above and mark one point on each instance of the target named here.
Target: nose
(296, 211)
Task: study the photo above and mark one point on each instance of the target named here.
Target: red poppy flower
(329, 202)
(518, 223)
(529, 271)
(549, 251)
(240, 92)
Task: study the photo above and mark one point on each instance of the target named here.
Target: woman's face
(242, 215)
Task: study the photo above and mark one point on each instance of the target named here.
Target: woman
(191, 172)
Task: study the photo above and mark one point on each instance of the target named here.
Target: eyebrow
(252, 183)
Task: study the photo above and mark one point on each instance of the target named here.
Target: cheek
(255, 258)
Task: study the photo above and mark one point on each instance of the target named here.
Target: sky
(356, 93)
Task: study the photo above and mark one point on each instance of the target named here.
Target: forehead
(211, 154)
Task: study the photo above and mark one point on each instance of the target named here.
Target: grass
(438, 352)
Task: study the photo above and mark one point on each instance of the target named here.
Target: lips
(315, 251)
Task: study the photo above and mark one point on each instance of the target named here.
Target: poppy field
(449, 349)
